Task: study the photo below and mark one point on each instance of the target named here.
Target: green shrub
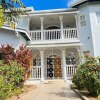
(87, 76)
(11, 79)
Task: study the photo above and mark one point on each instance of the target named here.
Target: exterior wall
(93, 8)
(23, 23)
(10, 37)
(85, 31)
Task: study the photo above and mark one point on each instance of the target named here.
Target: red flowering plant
(23, 57)
(88, 76)
(7, 53)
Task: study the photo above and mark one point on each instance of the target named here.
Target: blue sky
(46, 4)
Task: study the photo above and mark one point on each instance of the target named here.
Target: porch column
(64, 65)
(61, 26)
(28, 24)
(81, 55)
(42, 65)
(42, 19)
(76, 19)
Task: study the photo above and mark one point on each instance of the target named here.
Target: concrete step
(53, 81)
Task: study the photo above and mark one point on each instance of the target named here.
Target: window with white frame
(98, 17)
(82, 20)
(37, 61)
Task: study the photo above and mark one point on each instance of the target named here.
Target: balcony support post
(64, 65)
(76, 19)
(42, 65)
(28, 21)
(42, 27)
(61, 26)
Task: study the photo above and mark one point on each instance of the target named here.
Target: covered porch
(55, 62)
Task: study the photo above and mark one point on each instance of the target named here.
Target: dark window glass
(0, 56)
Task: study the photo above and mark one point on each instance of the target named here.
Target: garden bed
(83, 94)
(25, 90)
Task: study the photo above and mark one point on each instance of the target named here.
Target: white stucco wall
(93, 8)
(85, 31)
(23, 23)
(10, 37)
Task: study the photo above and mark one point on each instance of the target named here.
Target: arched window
(37, 61)
(71, 59)
(52, 27)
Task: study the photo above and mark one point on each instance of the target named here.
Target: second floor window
(82, 20)
(98, 17)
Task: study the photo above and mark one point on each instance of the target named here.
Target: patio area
(51, 90)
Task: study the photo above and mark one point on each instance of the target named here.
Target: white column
(81, 55)
(64, 65)
(28, 24)
(42, 65)
(42, 19)
(61, 26)
(76, 19)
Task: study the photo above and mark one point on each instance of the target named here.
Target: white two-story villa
(59, 39)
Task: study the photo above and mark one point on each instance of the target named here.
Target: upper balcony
(56, 27)
(54, 36)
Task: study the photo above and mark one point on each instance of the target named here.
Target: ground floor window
(37, 61)
(0, 56)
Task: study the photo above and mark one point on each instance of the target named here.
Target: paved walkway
(51, 91)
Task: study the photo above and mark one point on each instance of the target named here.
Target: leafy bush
(87, 76)
(7, 53)
(11, 79)
(21, 56)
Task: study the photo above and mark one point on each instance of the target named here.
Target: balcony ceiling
(52, 19)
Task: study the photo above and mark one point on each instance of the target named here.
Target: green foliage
(87, 76)
(21, 56)
(11, 79)
(99, 97)
(10, 12)
(2, 18)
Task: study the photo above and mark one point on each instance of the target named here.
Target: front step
(53, 81)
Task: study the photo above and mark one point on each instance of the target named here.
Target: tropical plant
(87, 76)
(2, 19)
(7, 53)
(11, 79)
(10, 11)
(23, 57)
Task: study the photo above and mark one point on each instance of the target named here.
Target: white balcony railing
(54, 34)
(70, 71)
(36, 72)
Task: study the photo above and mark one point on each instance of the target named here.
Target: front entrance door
(54, 70)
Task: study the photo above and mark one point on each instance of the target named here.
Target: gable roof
(80, 2)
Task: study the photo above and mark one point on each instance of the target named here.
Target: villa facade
(59, 39)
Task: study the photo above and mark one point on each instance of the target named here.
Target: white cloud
(70, 1)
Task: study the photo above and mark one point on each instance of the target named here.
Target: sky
(47, 4)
